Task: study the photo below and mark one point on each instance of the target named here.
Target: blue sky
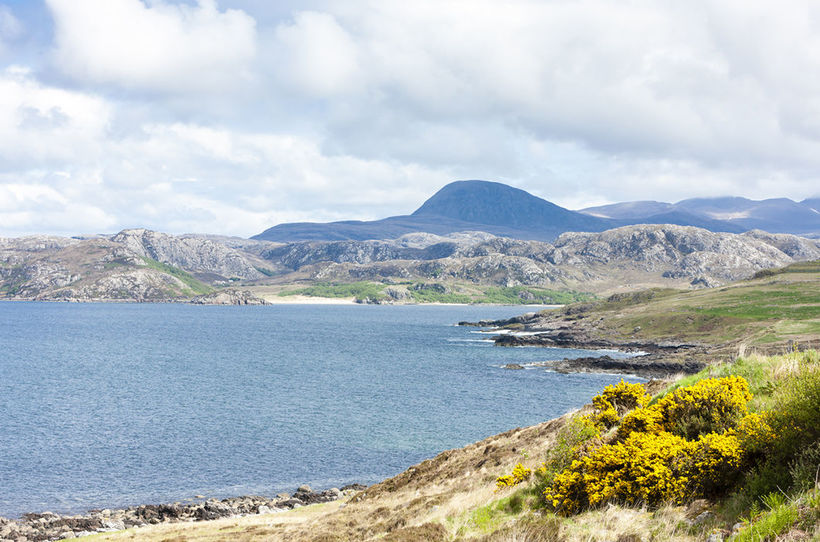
(229, 116)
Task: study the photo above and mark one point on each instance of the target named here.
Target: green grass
(194, 285)
(528, 295)
(265, 271)
(774, 309)
(780, 515)
(358, 290)
(439, 293)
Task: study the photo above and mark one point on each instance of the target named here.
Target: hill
(142, 265)
(510, 212)
(459, 206)
(777, 215)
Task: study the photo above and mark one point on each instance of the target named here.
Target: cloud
(10, 28)
(314, 54)
(229, 117)
(41, 126)
(160, 47)
(69, 165)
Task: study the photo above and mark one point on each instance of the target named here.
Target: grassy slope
(763, 312)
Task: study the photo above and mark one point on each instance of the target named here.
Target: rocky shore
(50, 526)
(650, 366)
(658, 359)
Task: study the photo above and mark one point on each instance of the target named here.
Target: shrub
(616, 400)
(689, 444)
(645, 468)
(714, 464)
(710, 405)
(578, 431)
(519, 474)
(805, 468)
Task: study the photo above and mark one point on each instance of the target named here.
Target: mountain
(459, 206)
(133, 265)
(668, 255)
(510, 212)
(730, 214)
(142, 265)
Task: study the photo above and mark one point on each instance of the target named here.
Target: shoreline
(51, 526)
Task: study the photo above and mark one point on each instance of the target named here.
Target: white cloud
(42, 125)
(316, 55)
(191, 116)
(10, 28)
(156, 47)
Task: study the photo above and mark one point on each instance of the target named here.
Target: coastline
(51, 526)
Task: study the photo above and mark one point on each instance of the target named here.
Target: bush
(645, 468)
(710, 405)
(616, 400)
(689, 444)
(519, 474)
(578, 431)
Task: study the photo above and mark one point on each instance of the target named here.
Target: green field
(418, 292)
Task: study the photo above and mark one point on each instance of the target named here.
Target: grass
(419, 292)
(770, 312)
(195, 286)
(358, 290)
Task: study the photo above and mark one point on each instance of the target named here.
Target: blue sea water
(110, 405)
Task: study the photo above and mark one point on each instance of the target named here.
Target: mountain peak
(488, 202)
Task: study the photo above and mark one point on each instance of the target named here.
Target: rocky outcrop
(194, 254)
(229, 296)
(49, 526)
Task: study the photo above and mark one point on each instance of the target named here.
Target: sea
(106, 405)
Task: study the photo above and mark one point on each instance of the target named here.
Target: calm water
(105, 405)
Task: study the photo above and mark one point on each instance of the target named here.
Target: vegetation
(757, 458)
(195, 286)
(359, 290)
(420, 292)
(770, 312)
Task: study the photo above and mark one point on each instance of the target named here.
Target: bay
(110, 405)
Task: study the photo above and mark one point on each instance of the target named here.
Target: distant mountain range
(510, 212)
(777, 215)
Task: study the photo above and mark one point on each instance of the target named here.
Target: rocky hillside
(143, 265)
(133, 265)
(587, 261)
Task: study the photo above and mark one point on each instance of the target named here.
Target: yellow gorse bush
(691, 443)
(712, 404)
(616, 400)
(519, 474)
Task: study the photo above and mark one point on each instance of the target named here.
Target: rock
(353, 487)
(115, 525)
(193, 254)
(304, 489)
(702, 518)
(514, 366)
(229, 297)
(264, 510)
(715, 537)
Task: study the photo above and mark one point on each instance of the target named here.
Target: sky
(230, 116)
